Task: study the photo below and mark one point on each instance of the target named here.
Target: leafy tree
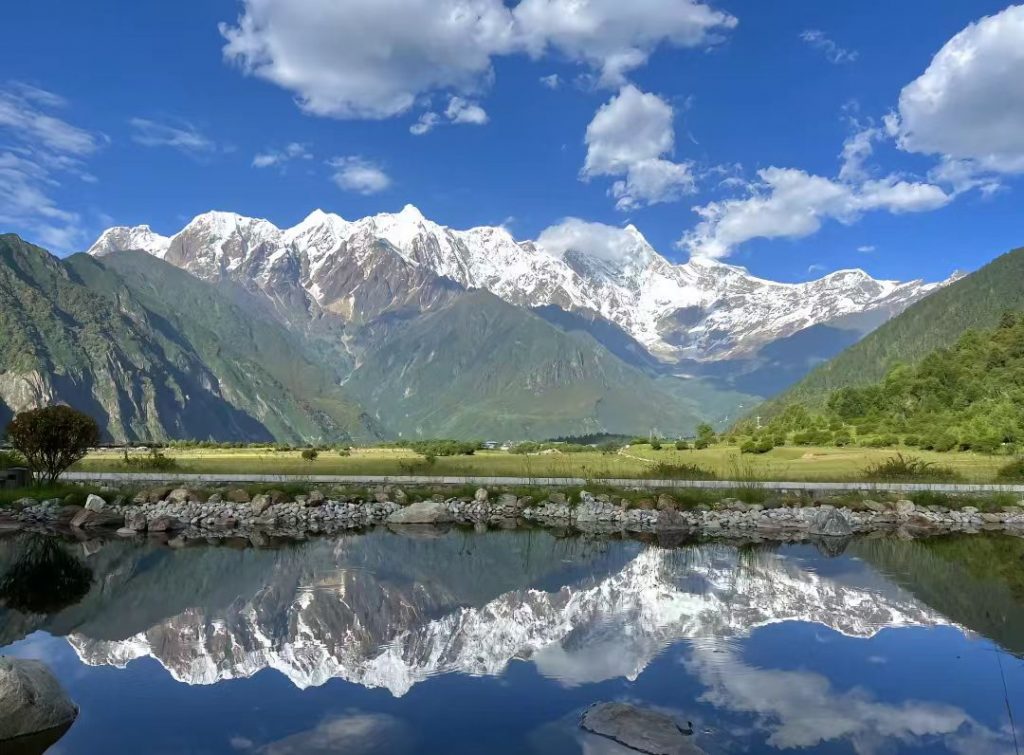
(705, 434)
(52, 439)
(45, 578)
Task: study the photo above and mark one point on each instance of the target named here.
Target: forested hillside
(976, 301)
(969, 396)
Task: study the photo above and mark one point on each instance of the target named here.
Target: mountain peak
(411, 212)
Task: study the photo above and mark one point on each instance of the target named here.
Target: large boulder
(670, 519)
(423, 512)
(260, 503)
(136, 521)
(165, 524)
(831, 523)
(88, 519)
(31, 701)
(237, 495)
(641, 729)
(94, 503)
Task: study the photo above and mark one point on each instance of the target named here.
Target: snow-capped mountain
(594, 629)
(358, 270)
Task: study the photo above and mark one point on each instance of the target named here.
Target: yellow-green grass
(726, 462)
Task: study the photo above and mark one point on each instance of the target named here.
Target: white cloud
(552, 81)
(791, 203)
(801, 709)
(279, 157)
(856, 150)
(833, 52)
(459, 111)
(606, 242)
(615, 37)
(968, 105)
(866, 248)
(629, 137)
(375, 58)
(358, 175)
(462, 111)
(41, 153)
(182, 136)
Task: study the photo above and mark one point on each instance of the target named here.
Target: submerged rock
(641, 729)
(31, 701)
(423, 512)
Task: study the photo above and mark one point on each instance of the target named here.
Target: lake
(495, 642)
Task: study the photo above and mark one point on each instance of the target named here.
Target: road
(130, 478)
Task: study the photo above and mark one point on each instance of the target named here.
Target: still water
(464, 642)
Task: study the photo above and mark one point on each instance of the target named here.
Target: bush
(1013, 470)
(664, 471)
(10, 459)
(682, 445)
(655, 444)
(900, 468)
(813, 438)
(700, 444)
(52, 439)
(940, 441)
(154, 461)
(310, 454)
(444, 447)
(757, 445)
(912, 440)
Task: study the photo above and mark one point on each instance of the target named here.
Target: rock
(136, 521)
(65, 514)
(152, 495)
(94, 503)
(508, 500)
(260, 503)
(126, 532)
(277, 496)
(215, 498)
(830, 522)
(558, 498)
(237, 495)
(24, 503)
(905, 507)
(424, 512)
(874, 506)
(165, 524)
(180, 495)
(316, 498)
(89, 519)
(400, 496)
(666, 503)
(481, 495)
(32, 700)
(670, 519)
(641, 729)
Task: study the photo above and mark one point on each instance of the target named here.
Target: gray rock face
(260, 503)
(424, 512)
(31, 699)
(95, 503)
(136, 521)
(830, 522)
(165, 524)
(481, 495)
(639, 728)
(90, 519)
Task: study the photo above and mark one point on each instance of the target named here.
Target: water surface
(463, 642)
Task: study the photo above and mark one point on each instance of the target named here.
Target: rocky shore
(186, 514)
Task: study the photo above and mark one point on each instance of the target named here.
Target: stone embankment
(186, 514)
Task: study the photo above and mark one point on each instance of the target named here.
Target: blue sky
(716, 128)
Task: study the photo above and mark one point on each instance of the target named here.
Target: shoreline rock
(32, 702)
(188, 515)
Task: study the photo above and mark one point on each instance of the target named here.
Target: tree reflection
(44, 578)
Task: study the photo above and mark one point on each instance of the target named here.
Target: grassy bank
(724, 462)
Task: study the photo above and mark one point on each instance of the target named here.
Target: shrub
(912, 440)
(700, 444)
(444, 447)
(655, 444)
(52, 439)
(609, 447)
(1012, 470)
(940, 441)
(900, 468)
(682, 445)
(757, 445)
(154, 461)
(665, 471)
(310, 454)
(10, 459)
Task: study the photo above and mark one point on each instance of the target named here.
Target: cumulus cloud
(180, 135)
(552, 81)
(791, 203)
(280, 157)
(800, 709)
(459, 111)
(376, 58)
(629, 137)
(614, 37)
(42, 152)
(968, 105)
(606, 242)
(832, 52)
(358, 175)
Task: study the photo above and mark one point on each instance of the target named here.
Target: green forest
(969, 396)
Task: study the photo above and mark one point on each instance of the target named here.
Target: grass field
(787, 463)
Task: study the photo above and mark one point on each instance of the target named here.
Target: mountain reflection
(383, 610)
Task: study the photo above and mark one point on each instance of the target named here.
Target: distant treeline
(966, 397)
